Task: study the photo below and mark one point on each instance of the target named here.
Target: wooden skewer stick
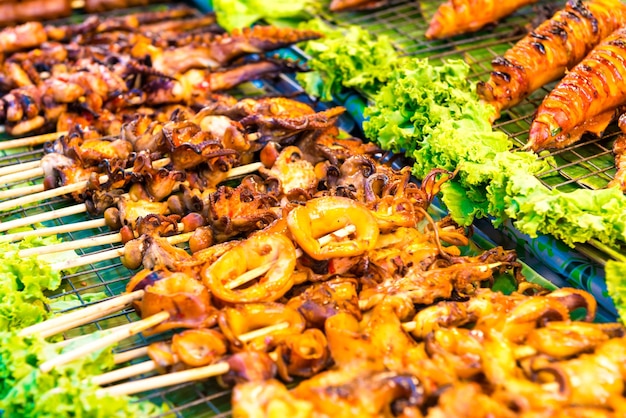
(110, 254)
(78, 244)
(104, 342)
(31, 140)
(54, 230)
(21, 191)
(129, 355)
(69, 341)
(41, 217)
(32, 173)
(118, 302)
(16, 168)
(150, 365)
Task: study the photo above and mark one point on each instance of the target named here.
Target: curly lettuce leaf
(232, 14)
(23, 281)
(63, 392)
(616, 285)
(346, 58)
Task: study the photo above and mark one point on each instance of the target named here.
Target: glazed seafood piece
(455, 17)
(546, 53)
(585, 100)
(113, 75)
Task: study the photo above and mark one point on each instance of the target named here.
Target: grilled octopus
(585, 100)
(455, 17)
(546, 53)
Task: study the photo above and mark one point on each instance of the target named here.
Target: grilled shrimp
(586, 99)
(455, 17)
(546, 53)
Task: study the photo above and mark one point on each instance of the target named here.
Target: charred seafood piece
(585, 100)
(190, 146)
(185, 298)
(455, 17)
(302, 355)
(554, 47)
(199, 347)
(241, 210)
(320, 301)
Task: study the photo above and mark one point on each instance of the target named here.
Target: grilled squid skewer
(455, 17)
(585, 100)
(546, 53)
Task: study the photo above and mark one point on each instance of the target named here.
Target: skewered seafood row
(585, 100)
(206, 144)
(546, 53)
(113, 63)
(12, 12)
(514, 361)
(94, 85)
(34, 34)
(455, 17)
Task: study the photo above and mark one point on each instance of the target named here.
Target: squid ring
(273, 250)
(328, 214)
(242, 319)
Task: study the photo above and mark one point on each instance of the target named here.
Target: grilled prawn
(586, 99)
(546, 53)
(455, 17)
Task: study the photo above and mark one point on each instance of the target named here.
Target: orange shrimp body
(455, 17)
(553, 47)
(586, 98)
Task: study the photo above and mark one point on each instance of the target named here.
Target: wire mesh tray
(196, 399)
(588, 164)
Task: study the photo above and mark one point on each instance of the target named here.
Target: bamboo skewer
(104, 342)
(54, 230)
(129, 355)
(16, 168)
(117, 302)
(150, 365)
(22, 191)
(22, 175)
(41, 217)
(31, 140)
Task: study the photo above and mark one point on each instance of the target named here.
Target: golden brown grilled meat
(547, 52)
(455, 17)
(585, 100)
